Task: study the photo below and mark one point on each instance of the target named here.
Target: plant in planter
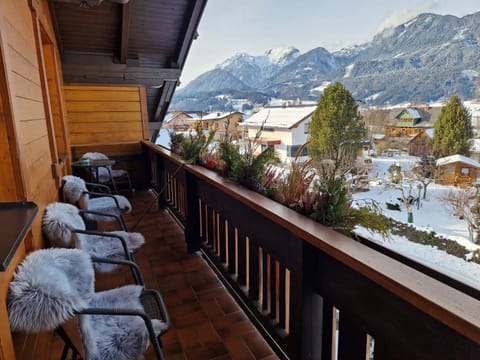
(176, 140)
(196, 143)
(246, 165)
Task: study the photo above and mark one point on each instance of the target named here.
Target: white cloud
(402, 16)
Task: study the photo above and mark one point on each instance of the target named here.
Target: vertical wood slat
(191, 215)
(242, 266)
(265, 266)
(273, 288)
(201, 213)
(282, 297)
(352, 340)
(210, 221)
(232, 251)
(328, 330)
(223, 235)
(253, 289)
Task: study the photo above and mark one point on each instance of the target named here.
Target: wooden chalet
(93, 75)
(181, 120)
(457, 170)
(219, 121)
(410, 121)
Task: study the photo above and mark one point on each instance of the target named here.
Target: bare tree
(424, 172)
(464, 204)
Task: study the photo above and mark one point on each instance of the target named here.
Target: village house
(456, 170)
(411, 121)
(181, 120)
(421, 144)
(219, 120)
(284, 128)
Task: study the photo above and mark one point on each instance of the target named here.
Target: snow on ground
(432, 215)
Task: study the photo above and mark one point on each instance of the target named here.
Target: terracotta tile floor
(206, 321)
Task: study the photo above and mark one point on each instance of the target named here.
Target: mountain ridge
(427, 58)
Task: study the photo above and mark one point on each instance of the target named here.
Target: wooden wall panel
(105, 114)
(25, 143)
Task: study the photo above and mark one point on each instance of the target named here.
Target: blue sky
(254, 26)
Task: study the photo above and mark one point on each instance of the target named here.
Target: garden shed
(457, 170)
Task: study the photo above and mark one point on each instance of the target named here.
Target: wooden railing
(313, 293)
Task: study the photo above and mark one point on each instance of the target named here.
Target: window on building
(292, 150)
(305, 128)
(465, 171)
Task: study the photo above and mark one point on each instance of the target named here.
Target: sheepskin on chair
(119, 337)
(103, 175)
(74, 189)
(60, 218)
(51, 285)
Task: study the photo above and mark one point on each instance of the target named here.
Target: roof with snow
(217, 115)
(280, 117)
(457, 158)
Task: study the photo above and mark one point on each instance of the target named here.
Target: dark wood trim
(125, 33)
(190, 31)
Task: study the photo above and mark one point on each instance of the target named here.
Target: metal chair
(106, 174)
(64, 227)
(52, 286)
(96, 206)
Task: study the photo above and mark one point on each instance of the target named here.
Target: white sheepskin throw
(73, 187)
(49, 286)
(107, 247)
(103, 175)
(116, 337)
(107, 203)
(59, 220)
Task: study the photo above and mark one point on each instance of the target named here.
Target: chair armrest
(104, 195)
(105, 190)
(149, 295)
(128, 254)
(116, 217)
(134, 268)
(129, 312)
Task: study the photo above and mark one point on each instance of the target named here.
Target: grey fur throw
(73, 192)
(59, 220)
(51, 285)
(48, 287)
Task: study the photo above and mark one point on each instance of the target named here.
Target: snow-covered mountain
(425, 59)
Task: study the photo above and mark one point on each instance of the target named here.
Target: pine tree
(453, 129)
(336, 130)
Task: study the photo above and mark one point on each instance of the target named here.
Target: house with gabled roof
(421, 144)
(218, 120)
(411, 121)
(457, 170)
(285, 128)
(181, 120)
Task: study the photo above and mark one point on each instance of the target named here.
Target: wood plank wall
(109, 119)
(106, 114)
(27, 146)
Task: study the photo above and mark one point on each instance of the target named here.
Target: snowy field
(432, 214)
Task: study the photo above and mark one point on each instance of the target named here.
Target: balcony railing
(313, 293)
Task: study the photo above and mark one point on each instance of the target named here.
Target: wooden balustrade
(313, 292)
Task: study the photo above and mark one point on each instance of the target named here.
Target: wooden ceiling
(140, 42)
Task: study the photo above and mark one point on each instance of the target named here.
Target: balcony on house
(244, 277)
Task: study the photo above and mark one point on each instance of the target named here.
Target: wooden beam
(190, 32)
(125, 33)
(56, 28)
